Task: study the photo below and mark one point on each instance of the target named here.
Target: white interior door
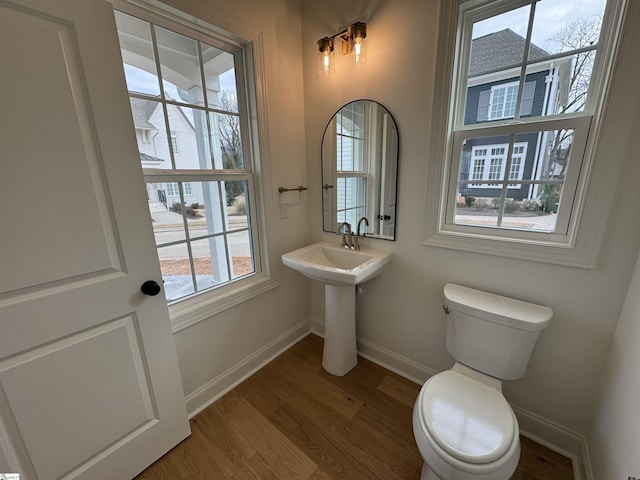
(89, 381)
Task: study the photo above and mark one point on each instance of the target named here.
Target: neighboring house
(153, 145)
(492, 91)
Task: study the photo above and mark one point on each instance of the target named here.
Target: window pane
(560, 28)
(498, 42)
(210, 262)
(176, 271)
(237, 205)
(137, 54)
(180, 67)
(351, 199)
(241, 255)
(563, 86)
(209, 216)
(227, 141)
(151, 133)
(191, 137)
(220, 78)
(166, 215)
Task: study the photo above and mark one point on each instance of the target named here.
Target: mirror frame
(328, 183)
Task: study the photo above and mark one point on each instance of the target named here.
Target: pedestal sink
(340, 270)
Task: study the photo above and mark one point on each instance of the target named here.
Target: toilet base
(428, 474)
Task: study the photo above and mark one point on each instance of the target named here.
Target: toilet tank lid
(496, 308)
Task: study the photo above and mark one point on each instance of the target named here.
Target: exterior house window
(174, 143)
(503, 101)
(174, 191)
(489, 163)
(191, 92)
(523, 102)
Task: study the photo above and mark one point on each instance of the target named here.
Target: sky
(550, 16)
(143, 82)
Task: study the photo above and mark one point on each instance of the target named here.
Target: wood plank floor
(292, 420)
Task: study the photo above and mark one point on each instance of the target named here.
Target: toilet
(464, 427)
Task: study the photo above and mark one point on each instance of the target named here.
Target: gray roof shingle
(141, 111)
(499, 49)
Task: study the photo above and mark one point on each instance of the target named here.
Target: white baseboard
(558, 438)
(385, 358)
(545, 432)
(216, 388)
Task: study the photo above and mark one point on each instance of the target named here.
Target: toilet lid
(467, 419)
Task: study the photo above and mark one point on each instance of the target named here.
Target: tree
(579, 36)
(230, 142)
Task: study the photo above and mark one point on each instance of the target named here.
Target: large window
(190, 109)
(526, 90)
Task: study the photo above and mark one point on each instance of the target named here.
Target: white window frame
(255, 147)
(492, 101)
(577, 240)
(486, 170)
(174, 143)
(174, 191)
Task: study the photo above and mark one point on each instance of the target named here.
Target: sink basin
(328, 263)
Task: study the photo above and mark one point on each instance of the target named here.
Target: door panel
(89, 381)
(40, 407)
(60, 148)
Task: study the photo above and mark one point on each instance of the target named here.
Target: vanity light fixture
(353, 44)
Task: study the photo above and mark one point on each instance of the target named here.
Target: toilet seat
(470, 421)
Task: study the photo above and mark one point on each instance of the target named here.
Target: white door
(89, 381)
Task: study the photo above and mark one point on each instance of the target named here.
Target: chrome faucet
(356, 245)
(347, 238)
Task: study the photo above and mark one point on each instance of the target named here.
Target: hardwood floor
(293, 420)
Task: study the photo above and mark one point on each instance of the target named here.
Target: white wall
(208, 349)
(614, 438)
(401, 310)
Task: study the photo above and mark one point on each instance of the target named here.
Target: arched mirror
(359, 169)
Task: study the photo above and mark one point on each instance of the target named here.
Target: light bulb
(358, 39)
(325, 49)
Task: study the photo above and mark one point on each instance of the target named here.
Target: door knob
(150, 288)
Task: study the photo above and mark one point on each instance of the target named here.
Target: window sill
(199, 308)
(581, 254)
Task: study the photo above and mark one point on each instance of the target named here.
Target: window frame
(496, 88)
(503, 163)
(577, 245)
(251, 99)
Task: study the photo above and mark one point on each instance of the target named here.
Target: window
(525, 93)
(351, 174)
(503, 101)
(172, 189)
(174, 143)
(489, 163)
(190, 102)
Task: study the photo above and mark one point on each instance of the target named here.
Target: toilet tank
(490, 333)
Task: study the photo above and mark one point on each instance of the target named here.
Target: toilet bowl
(464, 427)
